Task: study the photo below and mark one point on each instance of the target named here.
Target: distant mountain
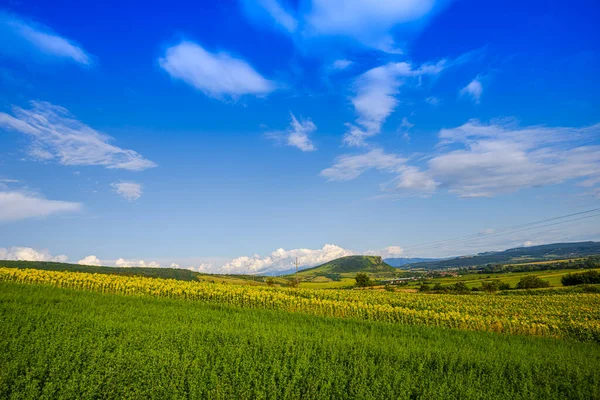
(350, 265)
(546, 252)
(399, 262)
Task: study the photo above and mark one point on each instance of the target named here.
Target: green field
(475, 280)
(64, 343)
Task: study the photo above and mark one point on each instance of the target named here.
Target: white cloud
(90, 260)
(434, 101)
(26, 38)
(348, 167)
(56, 134)
(174, 265)
(279, 14)
(17, 205)
(387, 252)
(368, 22)
(121, 262)
(376, 97)
(297, 135)
(29, 254)
(484, 160)
(128, 190)
(283, 260)
(216, 75)
(474, 90)
(341, 64)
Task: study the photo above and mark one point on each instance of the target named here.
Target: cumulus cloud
(121, 262)
(22, 38)
(57, 135)
(474, 90)
(297, 135)
(484, 160)
(29, 254)
(16, 205)
(283, 260)
(376, 94)
(128, 190)
(217, 75)
(90, 260)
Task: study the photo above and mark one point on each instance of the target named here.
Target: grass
(64, 343)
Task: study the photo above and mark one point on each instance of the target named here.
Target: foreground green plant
(71, 344)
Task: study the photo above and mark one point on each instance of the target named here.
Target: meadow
(72, 343)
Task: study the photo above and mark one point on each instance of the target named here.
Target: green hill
(179, 274)
(546, 252)
(349, 266)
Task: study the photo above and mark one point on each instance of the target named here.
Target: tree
(588, 277)
(270, 281)
(490, 287)
(532, 282)
(504, 286)
(362, 280)
(424, 287)
(460, 287)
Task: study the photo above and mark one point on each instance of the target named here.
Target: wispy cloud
(366, 23)
(128, 190)
(297, 135)
(22, 38)
(217, 75)
(57, 135)
(376, 97)
(15, 205)
(351, 166)
(341, 64)
(474, 90)
(484, 160)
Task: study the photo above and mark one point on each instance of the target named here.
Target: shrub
(460, 287)
(389, 288)
(424, 287)
(504, 286)
(293, 282)
(532, 282)
(362, 280)
(438, 287)
(270, 281)
(583, 278)
(492, 286)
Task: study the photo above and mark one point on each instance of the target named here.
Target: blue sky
(234, 136)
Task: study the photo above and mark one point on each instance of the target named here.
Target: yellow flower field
(566, 315)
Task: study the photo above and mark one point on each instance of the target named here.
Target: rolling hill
(350, 266)
(546, 252)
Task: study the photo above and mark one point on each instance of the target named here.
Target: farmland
(67, 343)
(574, 316)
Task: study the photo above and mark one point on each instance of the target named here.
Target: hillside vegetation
(351, 264)
(555, 251)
